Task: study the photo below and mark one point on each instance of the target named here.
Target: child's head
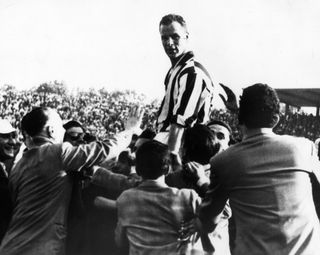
(152, 160)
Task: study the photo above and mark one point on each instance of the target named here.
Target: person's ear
(166, 168)
(50, 131)
(276, 119)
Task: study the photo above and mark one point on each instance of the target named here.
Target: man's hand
(231, 101)
(196, 172)
(189, 228)
(135, 118)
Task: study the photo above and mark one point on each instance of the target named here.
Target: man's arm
(112, 181)
(88, 155)
(174, 142)
(121, 238)
(192, 93)
(212, 208)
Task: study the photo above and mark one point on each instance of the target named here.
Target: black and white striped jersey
(188, 96)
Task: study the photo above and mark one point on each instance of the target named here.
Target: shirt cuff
(179, 120)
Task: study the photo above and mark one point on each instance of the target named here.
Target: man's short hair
(199, 144)
(72, 123)
(152, 160)
(168, 19)
(259, 106)
(223, 124)
(125, 158)
(148, 133)
(220, 123)
(34, 122)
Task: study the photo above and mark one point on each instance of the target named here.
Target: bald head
(43, 121)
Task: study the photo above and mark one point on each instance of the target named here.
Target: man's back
(41, 192)
(151, 215)
(267, 179)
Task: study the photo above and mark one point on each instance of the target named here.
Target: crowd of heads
(101, 116)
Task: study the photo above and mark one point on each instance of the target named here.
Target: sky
(115, 44)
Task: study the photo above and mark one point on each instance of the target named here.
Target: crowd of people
(103, 115)
(106, 173)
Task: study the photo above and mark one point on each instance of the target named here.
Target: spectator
(149, 216)
(200, 145)
(222, 134)
(40, 186)
(8, 144)
(267, 179)
(146, 135)
(75, 133)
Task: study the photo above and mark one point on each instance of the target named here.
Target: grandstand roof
(300, 97)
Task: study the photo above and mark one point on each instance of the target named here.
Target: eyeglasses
(12, 135)
(75, 136)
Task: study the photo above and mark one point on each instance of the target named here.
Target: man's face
(221, 136)
(174, 39)
(8, 145)
(74, 135)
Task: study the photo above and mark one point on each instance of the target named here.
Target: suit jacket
(41, 191)
(149, 218)
(5, 201)
(267, 179)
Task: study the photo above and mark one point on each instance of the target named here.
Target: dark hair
(259, 106)
(125, 158)
(152, 160)
(168, 19)
(72, 123)
(148, 133)
(223, 124)
(220, 123)
(35, 120)
(199, 144)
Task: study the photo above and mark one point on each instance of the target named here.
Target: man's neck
(174, 61)
(160, 179)
(39, 139)
(248, 132)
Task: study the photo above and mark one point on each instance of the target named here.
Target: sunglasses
(76, 136)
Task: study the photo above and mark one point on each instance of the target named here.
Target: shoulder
(47, 150)
(294, 143)
(127, 195)
(226, 155)
(187, 194)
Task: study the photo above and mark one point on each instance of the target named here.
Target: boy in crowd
(150, 215)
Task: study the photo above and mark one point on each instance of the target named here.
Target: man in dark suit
(8, 147)
(266, 178)
(41, 187)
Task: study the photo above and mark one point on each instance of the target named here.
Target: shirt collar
(40, 140)
(184, 58)
(258, 132)
(160, 182)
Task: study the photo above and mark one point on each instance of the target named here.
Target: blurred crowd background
(102, 113)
